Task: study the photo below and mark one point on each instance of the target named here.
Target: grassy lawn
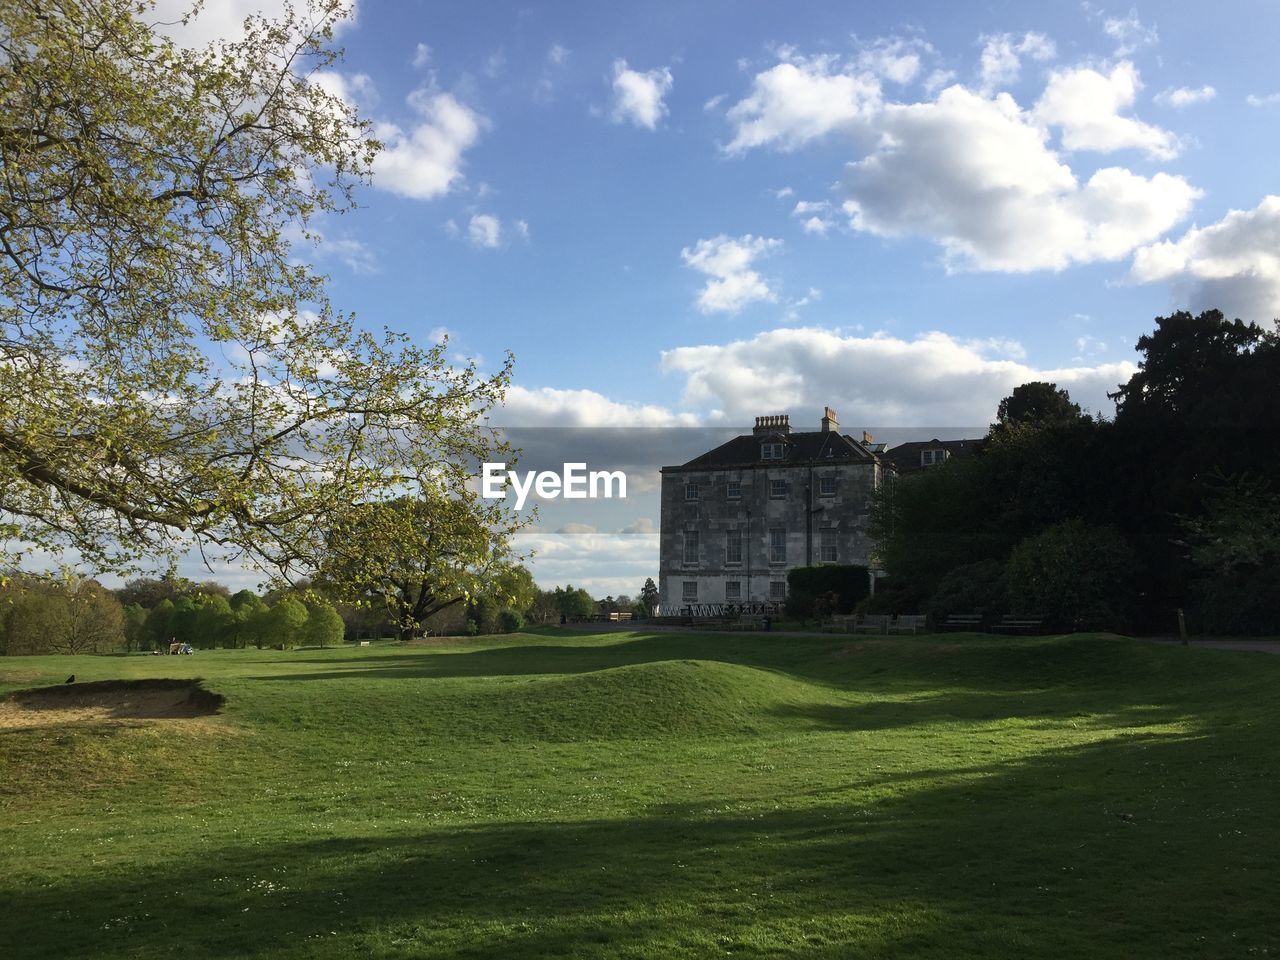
(636, 795)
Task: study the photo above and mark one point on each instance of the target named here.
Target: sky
(691, 214)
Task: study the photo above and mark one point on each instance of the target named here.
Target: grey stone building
(737, 518)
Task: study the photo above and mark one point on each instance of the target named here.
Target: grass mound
(148, 699)
(670, 698)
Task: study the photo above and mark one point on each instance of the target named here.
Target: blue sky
(679, 214)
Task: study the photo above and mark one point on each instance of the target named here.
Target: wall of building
(843, 516)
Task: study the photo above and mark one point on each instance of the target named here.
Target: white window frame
(734, 595)
(689, 591)
(828, 548)
(777, 589)
(691, 491)
(732, 538)
(772, 451)
(824, 483)
(774, 489)
(690, 545)
(777, 545)
(733, 490)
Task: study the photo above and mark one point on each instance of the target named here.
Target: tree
(135, 621)
(172, 374)
(213, 623)
(246, 610)
(158, 629)
(416, 556)
(1076, 576)
(62, 613)
(1036, 404)
(285, 622)
(649, 596)
(324, 628)
(574, 603)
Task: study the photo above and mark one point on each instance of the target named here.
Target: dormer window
(929, 457)
(772, 451)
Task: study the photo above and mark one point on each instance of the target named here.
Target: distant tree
(1037, 404)
(213, 625)
(285, 622)
(574, 603)
(247, 611)
(324, 628)
(509, 621)
(148, 591)
(62, 613)
(514, 587)
(135, 622)
(183, 624)
(158, 629)
(649, 596)
(544, 607)
(971, 588)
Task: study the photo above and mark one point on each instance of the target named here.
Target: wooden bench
(840, 623)
(1012, 624)
(873, 623)
(908, 623)
(963, 621)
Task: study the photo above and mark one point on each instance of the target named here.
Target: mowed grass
(657, 796)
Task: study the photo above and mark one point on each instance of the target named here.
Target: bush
(1076, 576)
(892, 596)
(324, 628)
(1242, 602)
(971, 588)
(509, 621)
(826, 589)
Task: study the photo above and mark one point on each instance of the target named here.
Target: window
(689, 590)
(777, 589)
(771, 451)
(691, 491)
(733, 590)
(691, 546)
(733, 547)
(826, 486)
(777, 545)
(929, 457)
(828, 552)
(777, 489)
(733, 490)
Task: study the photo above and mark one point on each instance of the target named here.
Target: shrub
(509, 621)
(324, 628)
(286, 621)
(1241, 602)
(971, 588)
(892, 596)
(805, 585)
(1075, 576)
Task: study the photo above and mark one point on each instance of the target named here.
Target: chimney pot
(830, 423)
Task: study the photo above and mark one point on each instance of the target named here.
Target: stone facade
(737, 518)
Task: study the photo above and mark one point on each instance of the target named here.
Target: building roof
(906, 456)
(818, 447)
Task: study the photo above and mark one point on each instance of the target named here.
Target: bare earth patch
(106, 701)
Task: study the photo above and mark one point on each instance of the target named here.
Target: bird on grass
(71, 679)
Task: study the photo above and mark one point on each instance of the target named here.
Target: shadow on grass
(1142, 846)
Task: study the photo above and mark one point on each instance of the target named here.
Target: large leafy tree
(170, 373)
(417, 556)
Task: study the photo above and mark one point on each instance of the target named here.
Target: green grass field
(660, 796)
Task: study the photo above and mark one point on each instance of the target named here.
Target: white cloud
(727, 261)
(604, 564)
(557, 55)
(224, 20)
(355, 89)
(552, 407)
(801, 100)
(421, 56)
(556, 62)
(638, 97)
(1268, 100)
(1233, 264)
(1185, 96)
(894, 59)
(1130, 33)
(485, 230)
(425, 161)
(933, 379)
(977, 176)
(1002, 53)
(1087, 106)
(814, 216)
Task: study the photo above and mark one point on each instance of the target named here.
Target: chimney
(829, 422)
(866, 437)
(780, 423)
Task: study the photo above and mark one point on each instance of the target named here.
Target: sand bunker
(108, 700)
